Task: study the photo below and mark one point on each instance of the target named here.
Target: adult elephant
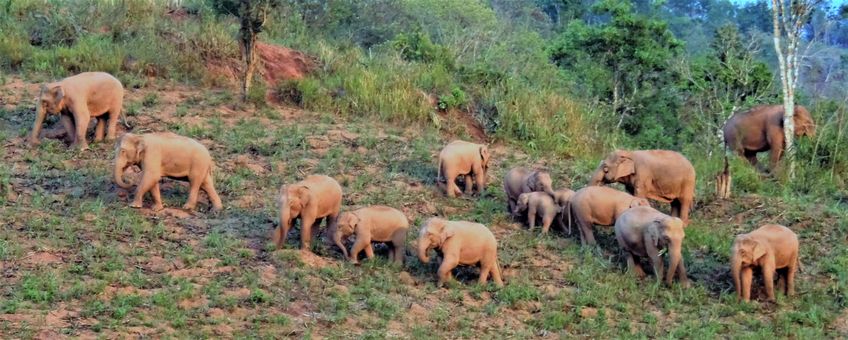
(77, 99)
(661, 175)
(761, 129)
(466, 160)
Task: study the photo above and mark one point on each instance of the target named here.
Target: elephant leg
(147, 183)
(157, 197)
(449, 262)
(546, 224)
(675, 208)
(306, 224)
(768, 280)
(469, 183)
(450, 186)
(369, 251)
(360, 244)
(633, 266)
(510, 206)
(99, 129)
(747, 277)
(399, 246)
(282, 233)
(480, 178)
(70, 129)
(114, 115)
(496, 273)
(531, 217)
(685, 208)
(193, 191)
(751, 156)
(209, 186)
(81, 118)
(586, 233)
(485, 269)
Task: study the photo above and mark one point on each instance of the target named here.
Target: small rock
(88, 217)
(588, 312)
(406, 279)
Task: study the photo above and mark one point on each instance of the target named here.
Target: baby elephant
(602, 206)
(644, 231)
(373, 224)
(520, 180)
(460, 242)
(165, 154)
(314, 199)
(537, 205)
(772, 248)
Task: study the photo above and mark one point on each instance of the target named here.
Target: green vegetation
(554, 82)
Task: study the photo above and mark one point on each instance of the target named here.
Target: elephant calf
(602, 206)
(165, 154)
(537, 205)
(315, 198)
(772, 248)
(373, 224)
(521, 180)
(467, 160)
(644, 231)
(461, 243)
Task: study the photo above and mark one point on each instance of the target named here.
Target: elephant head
(484, 158)
(344, 228)
(804, 124)
(541, 181)
(668, 232)
(433, 235)
(617, 167)
(746, 251)
(293, 202)
(129, 151)
(50, 100)
(521, 204)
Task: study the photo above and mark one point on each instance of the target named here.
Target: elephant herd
(641, 231)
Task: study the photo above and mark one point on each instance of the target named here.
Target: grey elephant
(537, 205)
(520, 180)
(642, 232)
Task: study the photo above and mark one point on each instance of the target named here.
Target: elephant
(165, 154)
(461, 243)
(602, 206)
(562, 198)
(373, 224)
(537, 205)
(463, 159)
(521, 180)
(644, 231)
(772, 248)
(77, 99)
(760, 129)
(315, 198)
(661, 175)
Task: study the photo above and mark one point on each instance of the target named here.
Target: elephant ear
(484, 155)
(140, 148)
(653, 232)
(625, 166)
(354, 222)
(304, 195)
(757, 250)
(447, 233)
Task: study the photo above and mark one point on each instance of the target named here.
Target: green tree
(625, 61)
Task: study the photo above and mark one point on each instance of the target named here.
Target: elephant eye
(606, 169)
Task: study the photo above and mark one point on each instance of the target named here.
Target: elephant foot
(136, 205)
(158, 207)
(188, 207)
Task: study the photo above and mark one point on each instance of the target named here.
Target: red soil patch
(277, 63)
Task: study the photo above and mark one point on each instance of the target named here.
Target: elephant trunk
(674, 259)
(337, 238)
(423, 249)
(735, 269)
(120, 166)
(597, 178)
(40, 113)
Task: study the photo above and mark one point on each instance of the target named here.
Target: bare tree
(788, 18)
(252, 14)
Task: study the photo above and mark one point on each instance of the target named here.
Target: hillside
(368, 92)
(76, 261)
